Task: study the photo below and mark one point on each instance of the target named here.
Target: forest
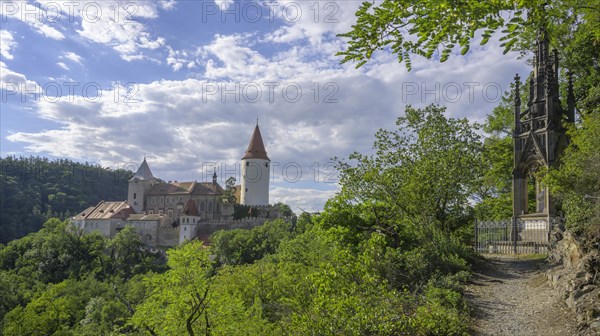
(388, 255)
(35, 189)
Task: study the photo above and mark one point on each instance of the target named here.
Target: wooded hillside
(34, 189)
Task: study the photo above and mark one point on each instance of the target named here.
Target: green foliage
(384, 258)
(242, 211)
(56, 311)
(178, 299)
(438, 29)
(51, 254)
(283, 209)
(33, 190)
(125, 256)
(442, 313)
(56, 281)
(229, 194)
(577, 181)
(494, 192)
(242, 246)
(425, 170)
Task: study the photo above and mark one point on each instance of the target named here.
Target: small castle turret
(139, 185)
(255, 172)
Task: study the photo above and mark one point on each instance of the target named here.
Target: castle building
(170, 198)
(168, 213)
(539, 136)
(255, 172)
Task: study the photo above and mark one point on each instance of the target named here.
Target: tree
(426, 170)
(283, 209)
(35, 189)
(56, 311)
(577, 181)
(494, 192)
(179, 299)
(229, 194)
(243, 246)
(423, 27)
(125, 256)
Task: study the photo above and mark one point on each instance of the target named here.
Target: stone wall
(147, 230)
(577, 277)
(207, 228)
(168, 236)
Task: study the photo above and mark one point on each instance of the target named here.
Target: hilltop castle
(168, 213)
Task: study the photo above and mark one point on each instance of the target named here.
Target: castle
(169, 213)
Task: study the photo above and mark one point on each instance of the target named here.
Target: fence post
(515, 234)
(475, 235)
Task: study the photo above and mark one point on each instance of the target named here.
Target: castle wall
(168, 236)
(106, 227)
(147, 230)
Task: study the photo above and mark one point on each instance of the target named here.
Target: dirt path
(511, 297)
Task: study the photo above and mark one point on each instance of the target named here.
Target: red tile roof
(108, 210)
(190, 208)
(185, 188)
(256, 147)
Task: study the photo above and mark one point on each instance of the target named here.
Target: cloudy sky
(183, 82)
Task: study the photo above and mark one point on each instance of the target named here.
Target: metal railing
(522, 235)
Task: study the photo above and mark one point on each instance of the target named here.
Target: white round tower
(255, 172)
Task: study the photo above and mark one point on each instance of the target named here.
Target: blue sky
(183, 82)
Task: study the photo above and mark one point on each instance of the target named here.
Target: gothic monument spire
(539, 136)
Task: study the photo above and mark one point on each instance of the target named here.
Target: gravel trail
(511, 297)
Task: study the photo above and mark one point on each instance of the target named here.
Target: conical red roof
(256, 148)
(190, 208)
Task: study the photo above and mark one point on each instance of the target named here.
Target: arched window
(202, 206)
(210, 206)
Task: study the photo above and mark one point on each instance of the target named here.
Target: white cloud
(112, 23)
(14, 83)
(63, 65)
(177, 59)
(34, 17)
(127, 38)
(181, 124)
(224, 4)
(7, 43)
(313, 21)
(167, 4)
(73, 57)
(238, 59)
(301, 199)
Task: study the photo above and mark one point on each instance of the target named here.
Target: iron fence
(524, 235)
